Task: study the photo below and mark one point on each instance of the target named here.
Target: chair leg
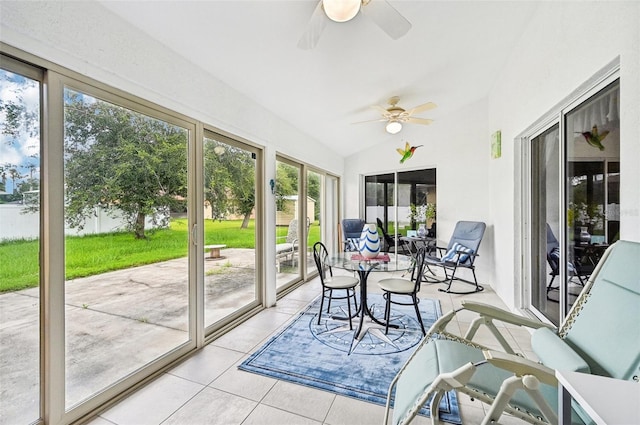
(349, 309)
(478, 288)
(321, 304)
(387, 313)
(550, 287)
(415, 305)
(329, 303)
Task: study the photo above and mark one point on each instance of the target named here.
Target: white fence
(14, 224)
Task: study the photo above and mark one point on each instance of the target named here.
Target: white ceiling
(451, 56)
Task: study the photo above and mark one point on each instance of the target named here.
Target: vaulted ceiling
(452, 56)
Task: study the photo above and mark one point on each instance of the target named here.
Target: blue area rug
(318, 355)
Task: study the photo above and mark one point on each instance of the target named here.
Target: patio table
(354, 262)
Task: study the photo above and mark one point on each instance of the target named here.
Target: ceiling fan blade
(422, 108)
(363, 122)
(316, 25)
(387, 18)
(423, 121)
(380, 109)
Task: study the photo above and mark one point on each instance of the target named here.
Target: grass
(95, 254)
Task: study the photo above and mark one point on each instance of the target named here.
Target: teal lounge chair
(600, 336)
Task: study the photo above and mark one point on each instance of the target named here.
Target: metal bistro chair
(398, 286)
(332, 283)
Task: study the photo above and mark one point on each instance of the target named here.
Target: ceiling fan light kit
(341, 10)
(393, 127)
(379, 11)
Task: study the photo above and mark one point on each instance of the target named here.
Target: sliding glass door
(416, 200)
(290, 222)
(231, 219)
(574, 186)
(306, 213)
(126, 266)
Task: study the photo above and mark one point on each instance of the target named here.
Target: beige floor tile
(269, 319)
(245, 384)
(213, 407)
(348, 411)
(267, 415)
(242, 338)
(154, 403)
(207, 364)
(301, 400)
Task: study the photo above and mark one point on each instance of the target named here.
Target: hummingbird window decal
(594, 138)
(407, 152)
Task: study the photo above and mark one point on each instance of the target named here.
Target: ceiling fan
(395, 116)
(380, 11)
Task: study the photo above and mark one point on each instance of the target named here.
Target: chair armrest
(503, 315)
(521, 366)
(486, 316)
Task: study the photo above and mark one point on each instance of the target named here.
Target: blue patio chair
(351, 231)
(461, 253)
(600, 336)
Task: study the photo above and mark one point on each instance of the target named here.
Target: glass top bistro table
(354, 262)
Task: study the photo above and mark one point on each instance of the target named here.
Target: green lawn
(95, 254)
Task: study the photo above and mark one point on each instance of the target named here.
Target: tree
(121, 161)
(19, 132)
(286, 184)
(229, 180)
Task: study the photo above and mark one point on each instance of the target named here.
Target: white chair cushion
(284, 247)
(397, 285)
(340, 282)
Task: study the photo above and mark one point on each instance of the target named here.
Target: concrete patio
(116, 322)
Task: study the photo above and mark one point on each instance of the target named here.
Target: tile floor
(209, 389)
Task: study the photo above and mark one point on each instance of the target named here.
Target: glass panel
(331, 214)
(315, 189)
(230, 228)
(416, 202)
(379, 204)
(19, 248)
(592, 142)
(545, 182)
(126, 267)
(419, 189)
(288, 179)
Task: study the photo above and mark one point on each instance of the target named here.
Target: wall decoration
(594, 138)
(496, 144)
(407, 152)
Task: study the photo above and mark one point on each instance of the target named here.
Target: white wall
(564, 45)
(459, 147)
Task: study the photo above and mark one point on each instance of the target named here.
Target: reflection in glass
(593, 155)
(545, 181)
